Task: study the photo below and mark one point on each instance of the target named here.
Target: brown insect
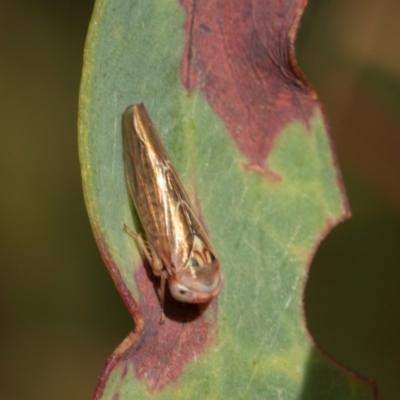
(176, 244)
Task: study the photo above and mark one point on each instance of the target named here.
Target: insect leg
(147, 249)
(164, 278)
(155, 262)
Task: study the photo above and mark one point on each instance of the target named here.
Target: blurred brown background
(60, 315)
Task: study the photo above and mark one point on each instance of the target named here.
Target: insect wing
(172, 230)
(156, 190)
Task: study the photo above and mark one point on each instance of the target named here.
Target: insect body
(176, 246)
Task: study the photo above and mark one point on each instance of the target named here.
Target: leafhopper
(175, 243)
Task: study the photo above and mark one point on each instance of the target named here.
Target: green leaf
(248, 138)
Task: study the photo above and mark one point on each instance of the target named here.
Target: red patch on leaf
(163, 350)
(133, 309)
(157, 352)
(239, 54)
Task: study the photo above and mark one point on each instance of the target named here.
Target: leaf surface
(247, 136)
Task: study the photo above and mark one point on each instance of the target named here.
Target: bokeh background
(60, 314)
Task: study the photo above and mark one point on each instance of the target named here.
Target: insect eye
(194, 263)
